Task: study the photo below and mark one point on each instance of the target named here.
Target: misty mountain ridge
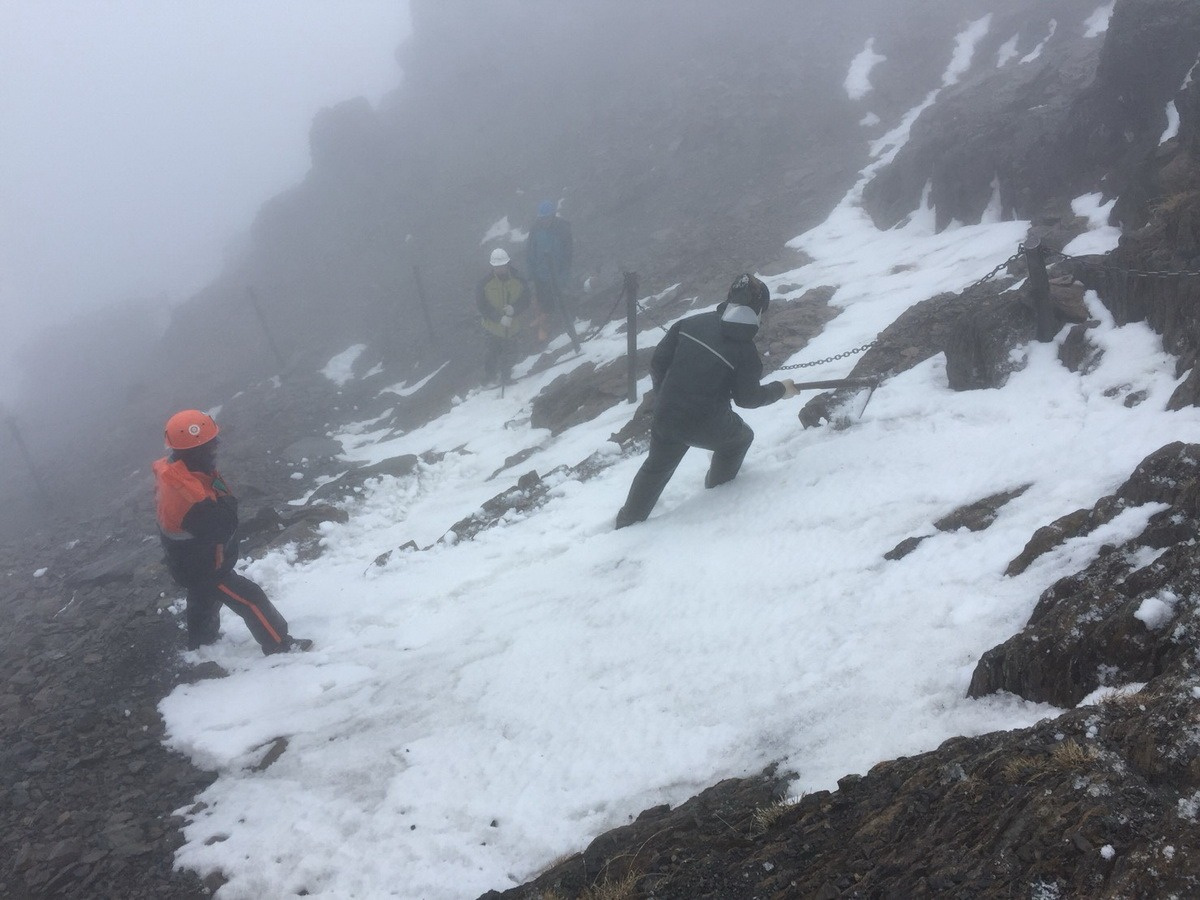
(499, 677)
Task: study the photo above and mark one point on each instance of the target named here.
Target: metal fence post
(1039, 289)
(433, 339)
(262, 320)
(28, 457)
(630, 287)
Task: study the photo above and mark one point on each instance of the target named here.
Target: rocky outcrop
(976, 329)
(1100, 802)
(1131, 615)
(1044, 128)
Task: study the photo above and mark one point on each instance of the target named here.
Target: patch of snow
(858, 79)
(1105, 694)
(1156, 612)
(503, 231)
(38, 573)
(1007, 51)
(870, 120)
(1107, 851)
(1172, 129)
(1188, 807)
(1037, 51)
(1097, 23)
(404, 389)
(1100, 237)
(340, 369)
(995, 208)
(964, 50)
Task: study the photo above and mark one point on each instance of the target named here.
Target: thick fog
(140, 138)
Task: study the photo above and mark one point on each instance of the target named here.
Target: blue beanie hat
(547, 208)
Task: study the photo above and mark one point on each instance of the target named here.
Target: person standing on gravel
(548, 253)
(197, 522)
(500, 297)
(705, 362)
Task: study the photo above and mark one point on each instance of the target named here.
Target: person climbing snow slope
(705, 362)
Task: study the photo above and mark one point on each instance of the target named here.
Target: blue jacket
(548, 250)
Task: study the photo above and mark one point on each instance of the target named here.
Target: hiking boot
(289, 645)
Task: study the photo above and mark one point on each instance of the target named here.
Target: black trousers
(497, 356)
(245, 598)
(727, 436)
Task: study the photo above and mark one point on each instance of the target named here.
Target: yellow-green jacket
(494, 293)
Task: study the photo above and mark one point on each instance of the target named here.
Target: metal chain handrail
(865, 347)
(645, 312)
(835, 358)
(1144, 273)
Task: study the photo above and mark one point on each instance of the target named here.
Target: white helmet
(500, 257)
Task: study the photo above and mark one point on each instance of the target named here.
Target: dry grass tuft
(622, 889)
(765, 817)
(1069, 756)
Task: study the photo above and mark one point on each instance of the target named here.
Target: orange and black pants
(245, 598)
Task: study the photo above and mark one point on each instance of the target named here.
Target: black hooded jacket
(704, 363)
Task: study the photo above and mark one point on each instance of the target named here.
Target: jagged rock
(119, 565)
(311, 449)
(1106, 625)
(1019, 813)
(1077, 353)
(728, 806)
(790, 326)
(275, 750)
(585, 392)
(978, 515)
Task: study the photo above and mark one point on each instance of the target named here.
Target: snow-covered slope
(478, 709)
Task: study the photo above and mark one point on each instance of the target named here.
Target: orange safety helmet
(190, 428)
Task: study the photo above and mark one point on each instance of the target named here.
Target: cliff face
(686, 141)
(1044, 125)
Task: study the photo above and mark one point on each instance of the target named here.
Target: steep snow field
(476, 710)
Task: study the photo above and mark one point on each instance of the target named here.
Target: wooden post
(433, 339)
(262, 320)
(1039, 289)
(630, 287)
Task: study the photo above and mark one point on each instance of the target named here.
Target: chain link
(842, 355)
(1066, 257)
(865, 347)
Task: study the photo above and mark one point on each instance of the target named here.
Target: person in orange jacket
(197, 522)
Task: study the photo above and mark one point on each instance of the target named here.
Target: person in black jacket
(703, 363)
(197, 522)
